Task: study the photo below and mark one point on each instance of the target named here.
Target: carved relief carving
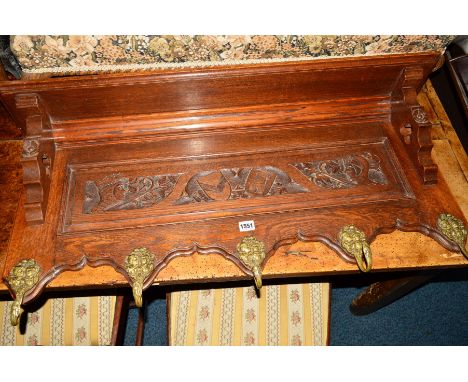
(30, 148)
(345, 172)
(118, 192)
(238, 183)
(419, 115)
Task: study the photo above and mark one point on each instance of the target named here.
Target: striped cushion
(62, 321)
(294, 314)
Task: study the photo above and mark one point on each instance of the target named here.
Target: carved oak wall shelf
(132, 170)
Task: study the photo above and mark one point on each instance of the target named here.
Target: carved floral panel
(238, 183)
(117, 192)
(344, 172)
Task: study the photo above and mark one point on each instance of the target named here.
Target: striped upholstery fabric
(62, 321)
(294, 314)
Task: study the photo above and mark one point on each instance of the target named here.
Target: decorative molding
(118, 192)
(344, 172)
(196, 248)
(238, 183)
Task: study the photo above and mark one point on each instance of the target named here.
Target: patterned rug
(66, 55)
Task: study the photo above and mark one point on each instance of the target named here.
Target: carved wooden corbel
(412, 123)
(38, 155)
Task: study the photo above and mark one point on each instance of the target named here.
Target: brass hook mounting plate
(139, 264)
(354, 242)
(21, 279)
(454, 230)
(252, 253)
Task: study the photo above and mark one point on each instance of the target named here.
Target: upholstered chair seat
(61, 321)
(292, 314)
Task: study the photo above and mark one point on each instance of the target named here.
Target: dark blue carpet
(434, 314)
(155, 324)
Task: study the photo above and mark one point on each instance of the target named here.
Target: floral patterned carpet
(66, 54)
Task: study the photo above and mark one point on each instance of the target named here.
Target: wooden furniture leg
(168, 317)
(383, 293)
(122, 306)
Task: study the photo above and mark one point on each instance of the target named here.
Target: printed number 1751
(248, 225)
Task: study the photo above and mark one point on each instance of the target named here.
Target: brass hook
(366, 255)
(354, 242)
(21, 279)
(257, 277)
(252, 253)
(454, 230)
(139, 264)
